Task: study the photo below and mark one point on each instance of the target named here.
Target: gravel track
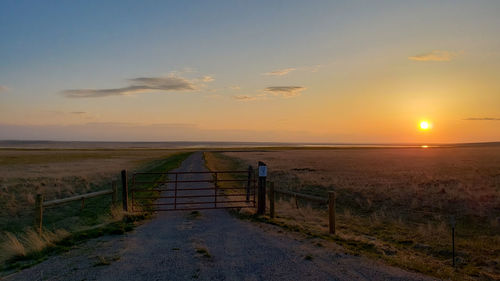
(212, 246)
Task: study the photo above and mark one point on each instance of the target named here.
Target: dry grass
(28, 242)
(58, 174)
(42, 171)
(399, 201)
(32, 164)
(459, 179)
(11, 247)
(86, 171)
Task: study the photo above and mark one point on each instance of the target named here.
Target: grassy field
(59, 174)
(396, 204)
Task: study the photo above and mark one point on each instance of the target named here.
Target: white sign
(262, 171)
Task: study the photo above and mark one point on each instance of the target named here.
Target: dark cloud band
(482, 119)
(285, 91)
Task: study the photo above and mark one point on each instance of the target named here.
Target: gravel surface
(212, 246)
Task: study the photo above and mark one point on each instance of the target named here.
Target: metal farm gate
(172, 191)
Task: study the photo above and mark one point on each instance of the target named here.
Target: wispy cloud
(280, 72)
(244, 97)
(285, 71)
(285, 91)
(280, 91)
(3, 88)
(482, 119)
(436, 55)
(250, 98)
(207, 78)
(78, 112)
(137, 86)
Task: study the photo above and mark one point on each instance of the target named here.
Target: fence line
(77, 198)
(302, 196)
(40, 204)
(331, 210)
(330, 201)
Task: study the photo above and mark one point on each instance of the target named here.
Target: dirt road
(212, 246)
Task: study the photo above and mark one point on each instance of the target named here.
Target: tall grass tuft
(11, 247)
(29, 242)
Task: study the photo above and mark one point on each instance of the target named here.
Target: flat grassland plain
(60, 173)
(395, 204)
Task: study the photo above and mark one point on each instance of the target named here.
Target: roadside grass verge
(417, 241)
(28, 249)
(67, 225)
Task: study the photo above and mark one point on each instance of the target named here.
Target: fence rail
(40, 203)
(77, 197)
(302, 196)
(330, 201)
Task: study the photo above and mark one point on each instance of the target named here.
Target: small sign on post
(262, 170)
(261, 205)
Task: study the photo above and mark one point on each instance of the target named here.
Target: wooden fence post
(249, 182)
(261, 205)
(331, 212)
(271, 199)
(215, 188)
(125, 190)
(39, 213)
(453, 223)
(114, 195)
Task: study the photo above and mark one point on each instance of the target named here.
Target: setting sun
(424, 125)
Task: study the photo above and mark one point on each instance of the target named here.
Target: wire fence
(440, 226)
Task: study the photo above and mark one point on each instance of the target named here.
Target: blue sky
(361, 71)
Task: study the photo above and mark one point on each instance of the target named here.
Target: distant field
(398, 202)
(462, 180)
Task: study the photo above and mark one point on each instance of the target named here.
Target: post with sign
(261, 205)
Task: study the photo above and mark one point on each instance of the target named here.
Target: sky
(284, 71)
